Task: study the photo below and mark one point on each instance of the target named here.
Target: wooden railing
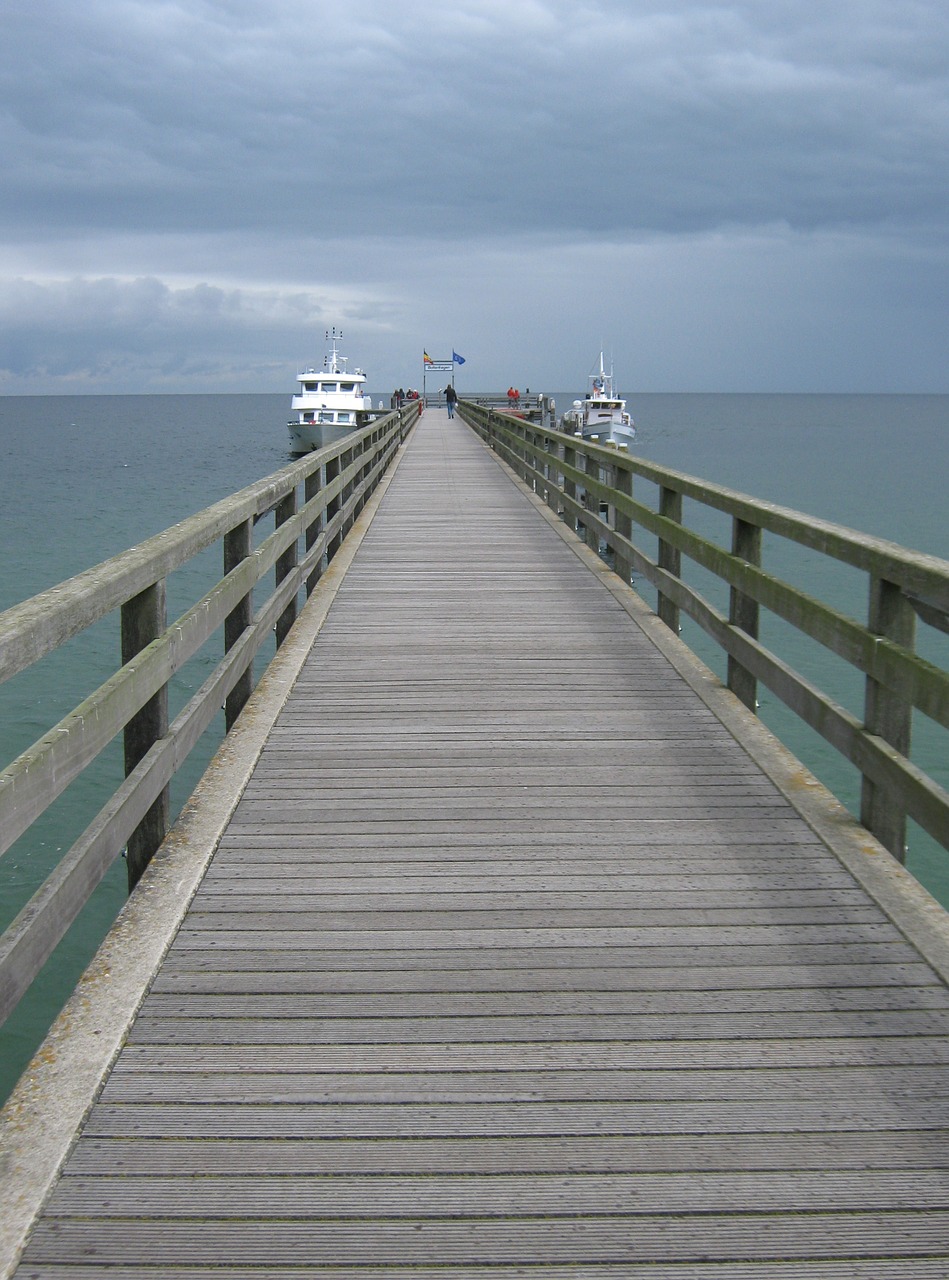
(335, 484)
(592, 486)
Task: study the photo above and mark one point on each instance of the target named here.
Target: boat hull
(620, 434)
(306, 437)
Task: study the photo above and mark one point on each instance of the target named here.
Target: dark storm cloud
(538, 116)
(343, 150)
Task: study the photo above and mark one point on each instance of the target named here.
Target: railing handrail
(860, 550)
(337, 481)
(37, 626)
(580, 478)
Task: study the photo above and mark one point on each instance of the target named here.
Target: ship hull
(306, 437)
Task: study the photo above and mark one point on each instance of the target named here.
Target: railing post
(285, 510)
(312, 486)
(552, 472)
(888, 715)
(531, 457)
(144, 620)
(669, 557)
(237, 547)
(743, 611)
(495, 430)
(345, 463)
(357, 456)
(332, 507)
(569, 485)
(623, 483)
(590, 535)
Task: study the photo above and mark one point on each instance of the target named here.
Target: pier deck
(512, 961)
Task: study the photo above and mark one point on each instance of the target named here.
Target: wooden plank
(763, 1054)
(392, 1030)
(798, 959)
(825, 1269)
(528, 939)
(510, 1241)
(188, 975)
(472, 1119)
(587, 1001)
(484, 876)
(664, 1153)
(795, 1191)
(629, 906)
(249, 1078)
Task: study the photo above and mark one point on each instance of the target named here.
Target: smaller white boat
(330, 402)
(601, 416)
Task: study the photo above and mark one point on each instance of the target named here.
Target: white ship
(602, 415)
(330, 402)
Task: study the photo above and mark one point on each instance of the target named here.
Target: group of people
(513, 397)
(399, 397)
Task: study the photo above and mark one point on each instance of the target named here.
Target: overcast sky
(727, 196)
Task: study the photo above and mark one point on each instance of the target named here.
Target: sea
(85, 477)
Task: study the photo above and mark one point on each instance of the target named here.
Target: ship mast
(333, 360)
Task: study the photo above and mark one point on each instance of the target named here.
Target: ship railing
(314, 503)
(699, 550)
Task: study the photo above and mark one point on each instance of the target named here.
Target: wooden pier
(514, 961)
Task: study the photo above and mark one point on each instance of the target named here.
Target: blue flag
(457, 358)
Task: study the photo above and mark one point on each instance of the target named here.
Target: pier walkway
(512, 961)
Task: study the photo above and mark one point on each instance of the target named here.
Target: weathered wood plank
(514, 1029)
(564, 1195)
(152, 1077)
(764, 1055)
(486, 876)
(426, 1120)
(528, 939)
(488, 965)
(667, 1153)
(629, 906)
(823, 1269)
(502, 1240)
(190, 975)
(555, 1003)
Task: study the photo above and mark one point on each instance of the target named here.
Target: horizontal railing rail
(335, 483)
(591, 486)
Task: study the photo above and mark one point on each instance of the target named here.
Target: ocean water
(85, 477)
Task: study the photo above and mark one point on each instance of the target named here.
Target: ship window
(310, 386)
(329, 386)
(344, 417)
(347, 386)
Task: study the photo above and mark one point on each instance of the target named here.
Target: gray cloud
(218, 180)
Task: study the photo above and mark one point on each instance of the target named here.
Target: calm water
(85, 477)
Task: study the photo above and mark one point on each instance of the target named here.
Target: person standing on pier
(451, 395)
